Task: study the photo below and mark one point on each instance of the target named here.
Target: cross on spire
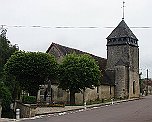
(123, 7)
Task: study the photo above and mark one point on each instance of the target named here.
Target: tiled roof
(122, 30)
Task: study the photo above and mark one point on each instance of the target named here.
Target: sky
(34, 24)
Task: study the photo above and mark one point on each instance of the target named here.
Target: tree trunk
(72, 97)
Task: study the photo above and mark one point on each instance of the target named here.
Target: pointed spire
(122, 30)
(122, 35)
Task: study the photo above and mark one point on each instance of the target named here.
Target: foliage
(29, 99)
(6, 50)
(5, 96)
(78, 72)
(13, 86)
(31, 69)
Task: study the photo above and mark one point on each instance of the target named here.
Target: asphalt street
(131, 111)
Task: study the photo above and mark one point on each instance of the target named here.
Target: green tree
(13, 86)
(5, 96)
(6, 50)
(78, 72)
(31, 69)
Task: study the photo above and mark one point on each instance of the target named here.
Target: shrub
(29, 99)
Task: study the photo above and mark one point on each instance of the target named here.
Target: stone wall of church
(58, 55)
(102, 92)
(134, 58)
(120, 82)
(59, 94)
(134, 89)
(115, 53)
(128, 78)
(106, 92)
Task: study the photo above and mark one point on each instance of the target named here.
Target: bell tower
(123, 59)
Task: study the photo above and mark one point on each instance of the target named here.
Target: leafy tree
(31, 69)
(13, 86)
(78, 72)
(6, 49)
(5, 96)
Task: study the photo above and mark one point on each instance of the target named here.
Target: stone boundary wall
(26, 110)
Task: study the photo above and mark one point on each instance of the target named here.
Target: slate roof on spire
(122, 30)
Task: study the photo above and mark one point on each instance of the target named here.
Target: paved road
(132, 111)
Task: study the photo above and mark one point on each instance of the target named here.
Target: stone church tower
(123, 60)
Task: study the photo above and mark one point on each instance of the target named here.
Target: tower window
(119, 39)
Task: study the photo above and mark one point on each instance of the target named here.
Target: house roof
(122, 30)
(67, 50)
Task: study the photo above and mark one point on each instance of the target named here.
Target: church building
(123, 59)
(120, 70)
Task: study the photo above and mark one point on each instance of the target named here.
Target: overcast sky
(50, 14)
